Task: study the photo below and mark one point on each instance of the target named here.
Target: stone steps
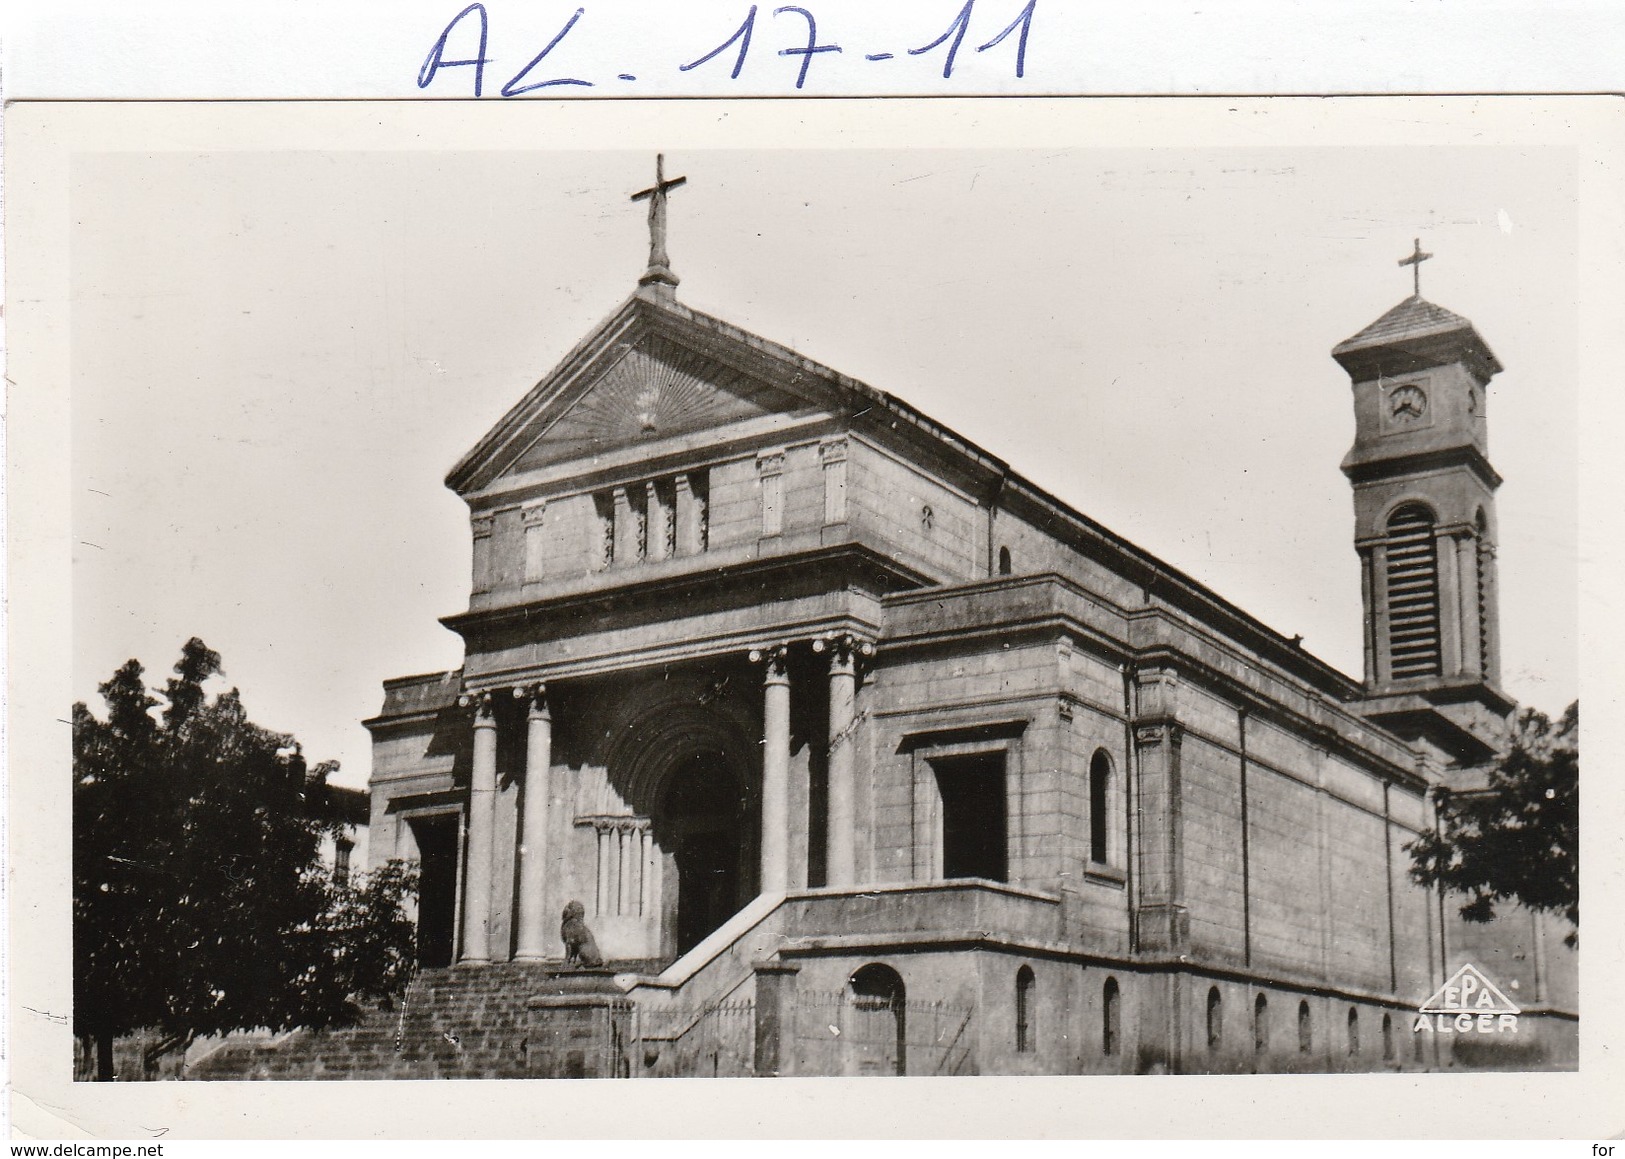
(462, 1022)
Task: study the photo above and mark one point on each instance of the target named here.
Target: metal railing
(839, 1033)
(713, 1041)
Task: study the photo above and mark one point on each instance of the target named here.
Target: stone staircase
(461, 1022)
(533, 1019)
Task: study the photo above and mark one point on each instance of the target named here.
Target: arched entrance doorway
(702, 825)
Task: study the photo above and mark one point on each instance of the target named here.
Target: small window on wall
(1387, 1038)
(972, 790)
(1004, 561)
(1110, 1018)
(1215, 1019)
(1025, 983)
(1354, 1031)
(1261, 1024)
(1305, 1032)
(1100, 781)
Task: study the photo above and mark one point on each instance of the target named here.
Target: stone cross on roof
(659, 272)
(1415, 262)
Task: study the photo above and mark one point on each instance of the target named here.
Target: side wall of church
(927, 524)
(1034, 549)
(1097, 891)
(1303, 887)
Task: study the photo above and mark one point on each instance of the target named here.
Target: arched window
(1004, 561)
(1110, 1018)
(1305, 1032)
(1261, 1024)
(1413, 593)
(1354, 1032)
(1026, 1036)
(1387, 1038)
(1100, 780)
(877, 992)
(1215, 1019)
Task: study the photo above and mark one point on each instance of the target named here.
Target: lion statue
(579, 947)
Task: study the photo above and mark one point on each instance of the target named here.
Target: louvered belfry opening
(1413, 594)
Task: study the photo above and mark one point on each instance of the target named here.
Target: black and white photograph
(1044, 589)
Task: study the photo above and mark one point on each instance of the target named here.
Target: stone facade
(825, 714)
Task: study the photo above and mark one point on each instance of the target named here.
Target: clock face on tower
(1407, 403)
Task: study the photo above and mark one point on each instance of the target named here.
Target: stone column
(481, 821)
(532, 943)
(1366, 594)
(775, 876)
(1379, 605)
(1466, 606)
(841, 844)
(1453, 623)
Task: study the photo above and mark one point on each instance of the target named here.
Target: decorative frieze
(649, 521)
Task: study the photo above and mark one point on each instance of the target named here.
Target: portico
(669, 826)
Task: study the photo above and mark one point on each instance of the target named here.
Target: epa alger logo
(1468, 1003)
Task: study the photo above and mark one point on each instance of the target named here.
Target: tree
(1517, 838)
(201, 905)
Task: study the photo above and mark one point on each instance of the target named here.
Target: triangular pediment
(656, 389)
(649, 373)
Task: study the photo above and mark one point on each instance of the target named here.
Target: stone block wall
(925, 522)
(915, 708)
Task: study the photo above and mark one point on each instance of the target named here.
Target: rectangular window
(341, 861)
(972, 789)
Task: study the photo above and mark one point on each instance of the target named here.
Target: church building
(862, 754)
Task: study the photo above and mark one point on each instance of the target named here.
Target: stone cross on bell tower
(659, 274)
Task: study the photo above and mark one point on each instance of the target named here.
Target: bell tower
(1424, 515)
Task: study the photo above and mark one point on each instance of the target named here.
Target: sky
(277, 356)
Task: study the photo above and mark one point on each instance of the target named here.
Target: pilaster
(1163, 922)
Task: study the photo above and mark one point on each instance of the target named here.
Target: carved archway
(688, 768)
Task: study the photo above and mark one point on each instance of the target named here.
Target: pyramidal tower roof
(1414, 335)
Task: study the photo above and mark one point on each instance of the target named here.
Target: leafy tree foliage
(201, 904)
(1517, 839)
